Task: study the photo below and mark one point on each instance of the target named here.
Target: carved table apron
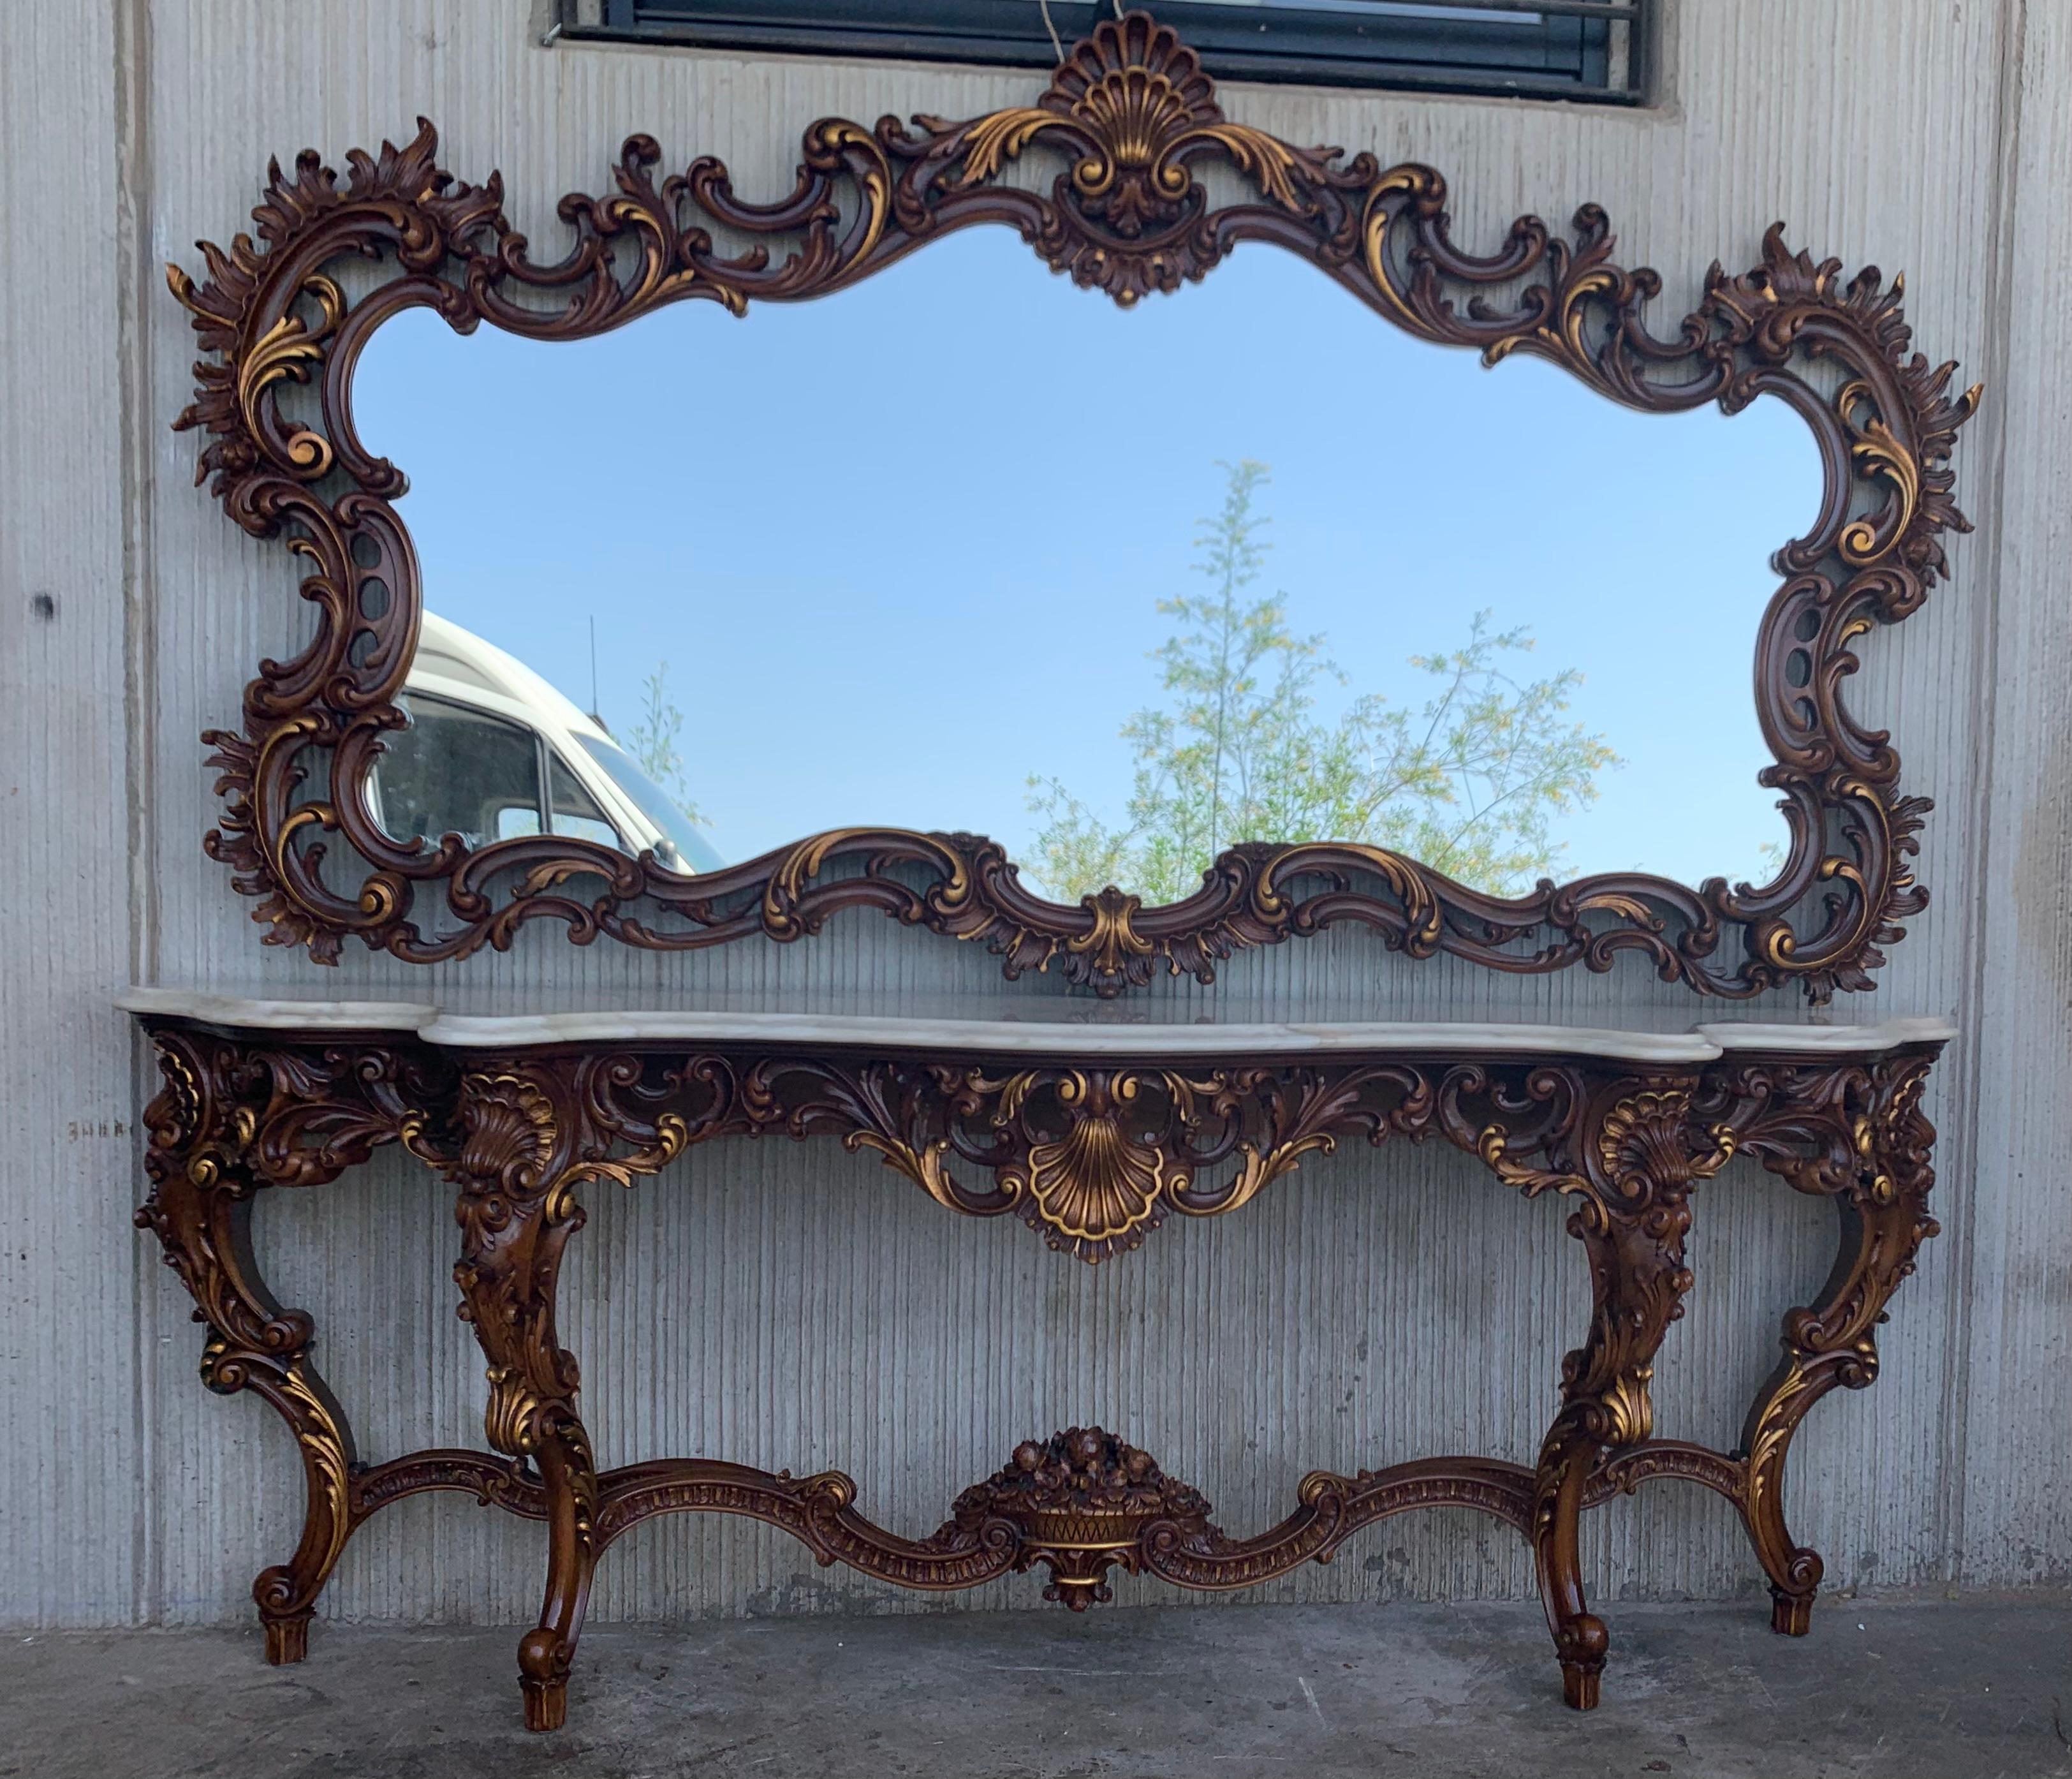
(1091, 1134)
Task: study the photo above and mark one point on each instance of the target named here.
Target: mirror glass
(968, 547)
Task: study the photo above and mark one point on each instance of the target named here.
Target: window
(457, 770)
(1575, 49)
(693, 851)
(573, 810)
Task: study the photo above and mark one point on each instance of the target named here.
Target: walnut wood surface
(1135, 117)
(1093, 1158)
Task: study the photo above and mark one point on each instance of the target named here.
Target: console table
(1091, 1133)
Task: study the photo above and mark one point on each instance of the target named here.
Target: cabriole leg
(200, 1209)
(517, 1174)
(1640, 1161)
(1881, 1197)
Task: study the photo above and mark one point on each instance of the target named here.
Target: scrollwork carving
(1093, 1160)
(519, 1133)
(1637, 1153)
(1133, 117)
(230, 1119)
(531, 1130)
(1858, 1135)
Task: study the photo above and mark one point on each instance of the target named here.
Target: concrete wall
(798, 1306)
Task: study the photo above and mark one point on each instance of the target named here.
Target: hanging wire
(1057, 42)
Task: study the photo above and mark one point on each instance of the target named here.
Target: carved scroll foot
(286, 1594)
(1790, 1615)
(547, 1654)
(544, 1662)
(1580, 1639)
(234, 1117)
(1582, 1671)
(287, 1639)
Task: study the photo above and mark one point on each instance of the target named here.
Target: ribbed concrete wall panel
(798, 1306)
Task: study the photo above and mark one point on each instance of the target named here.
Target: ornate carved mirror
(1227, 612)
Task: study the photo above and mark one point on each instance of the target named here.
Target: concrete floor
(1976, 1690)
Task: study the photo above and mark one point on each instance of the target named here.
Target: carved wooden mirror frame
(1134, 114)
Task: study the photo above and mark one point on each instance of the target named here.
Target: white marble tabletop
(1005, 1033)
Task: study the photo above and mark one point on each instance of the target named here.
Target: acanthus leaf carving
(517, 1132)
(1132, 114)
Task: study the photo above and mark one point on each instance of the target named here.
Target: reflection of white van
(493, 751)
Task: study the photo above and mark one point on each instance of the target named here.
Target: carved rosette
(1132, 117)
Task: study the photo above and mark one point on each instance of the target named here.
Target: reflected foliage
(652, 740)
(1472, 782)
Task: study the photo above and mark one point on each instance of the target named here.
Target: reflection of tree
(652, 740)
(1470, 784)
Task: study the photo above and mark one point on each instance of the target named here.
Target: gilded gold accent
(510, 1133)
(1644, 1142)
(1782, 1412)
(923, 1166)
(999, 137)
(787, 886)
(1878, 1184)
(1384, 202)
(512, 1421)
(1139, 119)
(1492, 1146)
(184, 1101)
(1627, 907)
(320, 1436)
(672, 1135)
(1423, 914)
(1096, 1183)
(1113, 937)
(1260, 1167)
(558, 871)
(289, 350)
(1093, 1184)
(1878, 456)
(1629, 1408)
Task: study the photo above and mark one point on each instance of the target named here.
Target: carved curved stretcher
(1093, 1138)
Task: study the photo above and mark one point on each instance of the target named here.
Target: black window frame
(1542, 49)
